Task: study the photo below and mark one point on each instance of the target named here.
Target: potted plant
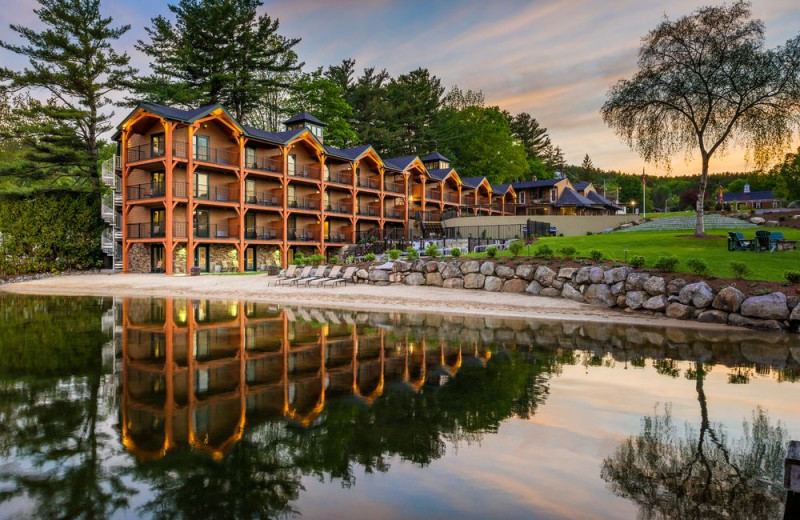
(194, 271)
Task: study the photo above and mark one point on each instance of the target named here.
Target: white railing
(107, 241)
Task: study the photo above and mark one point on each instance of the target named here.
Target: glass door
(201, 147)
(250, 196)
(250, 230)
(157, 222)
(201, 225)
(201, 258)
(250, 258)
(157, 259)
(157, 184)
(157, 145)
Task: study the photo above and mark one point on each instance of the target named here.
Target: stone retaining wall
(619, 287)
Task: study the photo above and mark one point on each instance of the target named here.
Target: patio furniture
(348, 276)
(288, 273)
(763, 241)
(737, 242)
(781, 244)
(305, 273)
(319, 273)
(332, 275)
(217, 268)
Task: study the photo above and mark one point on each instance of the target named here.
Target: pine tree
(217, 51)
(73, 58)
(534, 138)
(415, 97)
(322, 97)
(587, 165)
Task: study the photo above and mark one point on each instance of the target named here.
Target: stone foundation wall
(267, 256)
(222, 254)
(139, 258)
(620, 287)
(179, 260)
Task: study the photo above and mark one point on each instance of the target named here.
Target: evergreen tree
(587, 164)
(73, 58)
(342, 75)
(415, 97)
(533, 137)
(217, 51)
(325, 99)
(373, 111)
(459, 99)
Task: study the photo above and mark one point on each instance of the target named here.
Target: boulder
(772, 223)
(656, 303)
(414, 279)
(618, 288)
(795, 315)
(517, 285)
(550, 292)
(571, 293)
(396, 277)
(431, 267)
(635, 299)
(618, 274)
(453, 283)
(470, 266)
(566, 273)
(525, 272)
(451, 271)
(675, 286)
(655, 286)
(534, 288)
(362, 273)
(378, 275)
(487, 268)
(558, 284)
(596, 274)
(713, 316)
(401, 266)
(600, 294)
(418, 266)
(544, 275)
(636, 281)
(622, 301)
(698, 294)
(493, 283)
(434, 279)
(769, 307)
(757, 220)
(728, 299)
(680, 311)
(582, 276)
(474, 280)
(737, 320)
(504, 272)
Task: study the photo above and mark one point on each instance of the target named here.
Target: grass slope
(655, 244)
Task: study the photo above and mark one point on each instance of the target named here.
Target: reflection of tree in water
(701, 474)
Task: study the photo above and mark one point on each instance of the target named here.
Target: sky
(553, 59)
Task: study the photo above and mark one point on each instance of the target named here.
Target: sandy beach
(356, 297)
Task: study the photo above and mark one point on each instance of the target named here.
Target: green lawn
(655, 244)
(653, 214)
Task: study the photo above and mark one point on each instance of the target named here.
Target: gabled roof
(599, 199)
(473, 182)
(399, 163)
(570, 197)
(544, 183)
(351, 154)
(441, 174)
(580, 186)
(275, 137)
(435, 156)
(501, 189)
(304, 116)
(747, 197)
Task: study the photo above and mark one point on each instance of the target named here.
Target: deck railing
(216, 193)
(263, 198)
(341, 178)
(305, 203)
(339, 207)
(261, 233)
(302, 235)
(265, 164)
(369, 183)
(214, 231)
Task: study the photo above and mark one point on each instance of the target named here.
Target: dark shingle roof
(304, 116)
(570, 197)
(536, 184)
(473, 182)
(178, 113)
(501, 188)
(275, 137)
(435, 156)
(348, 153)
(441, 173)
(399, 163)
(599, 199)
(580, 186)
(747, 197)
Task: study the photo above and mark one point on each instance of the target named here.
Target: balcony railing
(393, 213)
(260, 233)
(345, 179)
(366, 236)
(179, 230)
(369, 183)
(367, 211)
(302, 235)
(338, 207)
(305, 203)
(216, 156)
(433, 194)
(393, 186)
(451, 197)
(152, 230)
(144, 152)
(265, 164)
(215, 231)
(336, 237)
(154, 190)
(216, 193)
(429, 216)
(263, 198)
(306, 171)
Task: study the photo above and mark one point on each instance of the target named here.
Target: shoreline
(364, 297)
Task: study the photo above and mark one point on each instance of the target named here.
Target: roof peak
(304, 116)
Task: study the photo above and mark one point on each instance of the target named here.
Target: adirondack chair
(763, 241)
(736, 242)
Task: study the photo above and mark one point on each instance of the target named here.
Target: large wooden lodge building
(197, 188)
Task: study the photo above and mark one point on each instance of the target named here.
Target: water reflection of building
(195, 372)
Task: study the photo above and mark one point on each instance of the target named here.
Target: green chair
(737, 242)
(764, 241)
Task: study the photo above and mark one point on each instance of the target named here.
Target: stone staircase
(712, 221)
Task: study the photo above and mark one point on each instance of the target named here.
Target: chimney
(747, 188)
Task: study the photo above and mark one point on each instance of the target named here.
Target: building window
(522, 197)
(250, 160)
(250, 191)
(201, 147)
(553, 194)
(291, 164)
(201, 185)
(157, 145)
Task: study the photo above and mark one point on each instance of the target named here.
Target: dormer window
(306, 120)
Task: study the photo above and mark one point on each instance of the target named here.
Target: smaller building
(751, 199)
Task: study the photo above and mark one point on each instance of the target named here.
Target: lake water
(154, 408)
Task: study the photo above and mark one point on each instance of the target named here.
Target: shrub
(740, 269)
(315, 259)
(195, 270)
(350, 259)
(596, 255)
(516, 247)
(568, 251)
(455, 252)
(544, 251)
(667, 263)
(411, 253)
(335, 259)
(637, 261)
(299, 259)
(491, 251)
(394, 254)
(432, 250)
(792, 276)
(369, 257)
(698, 266)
